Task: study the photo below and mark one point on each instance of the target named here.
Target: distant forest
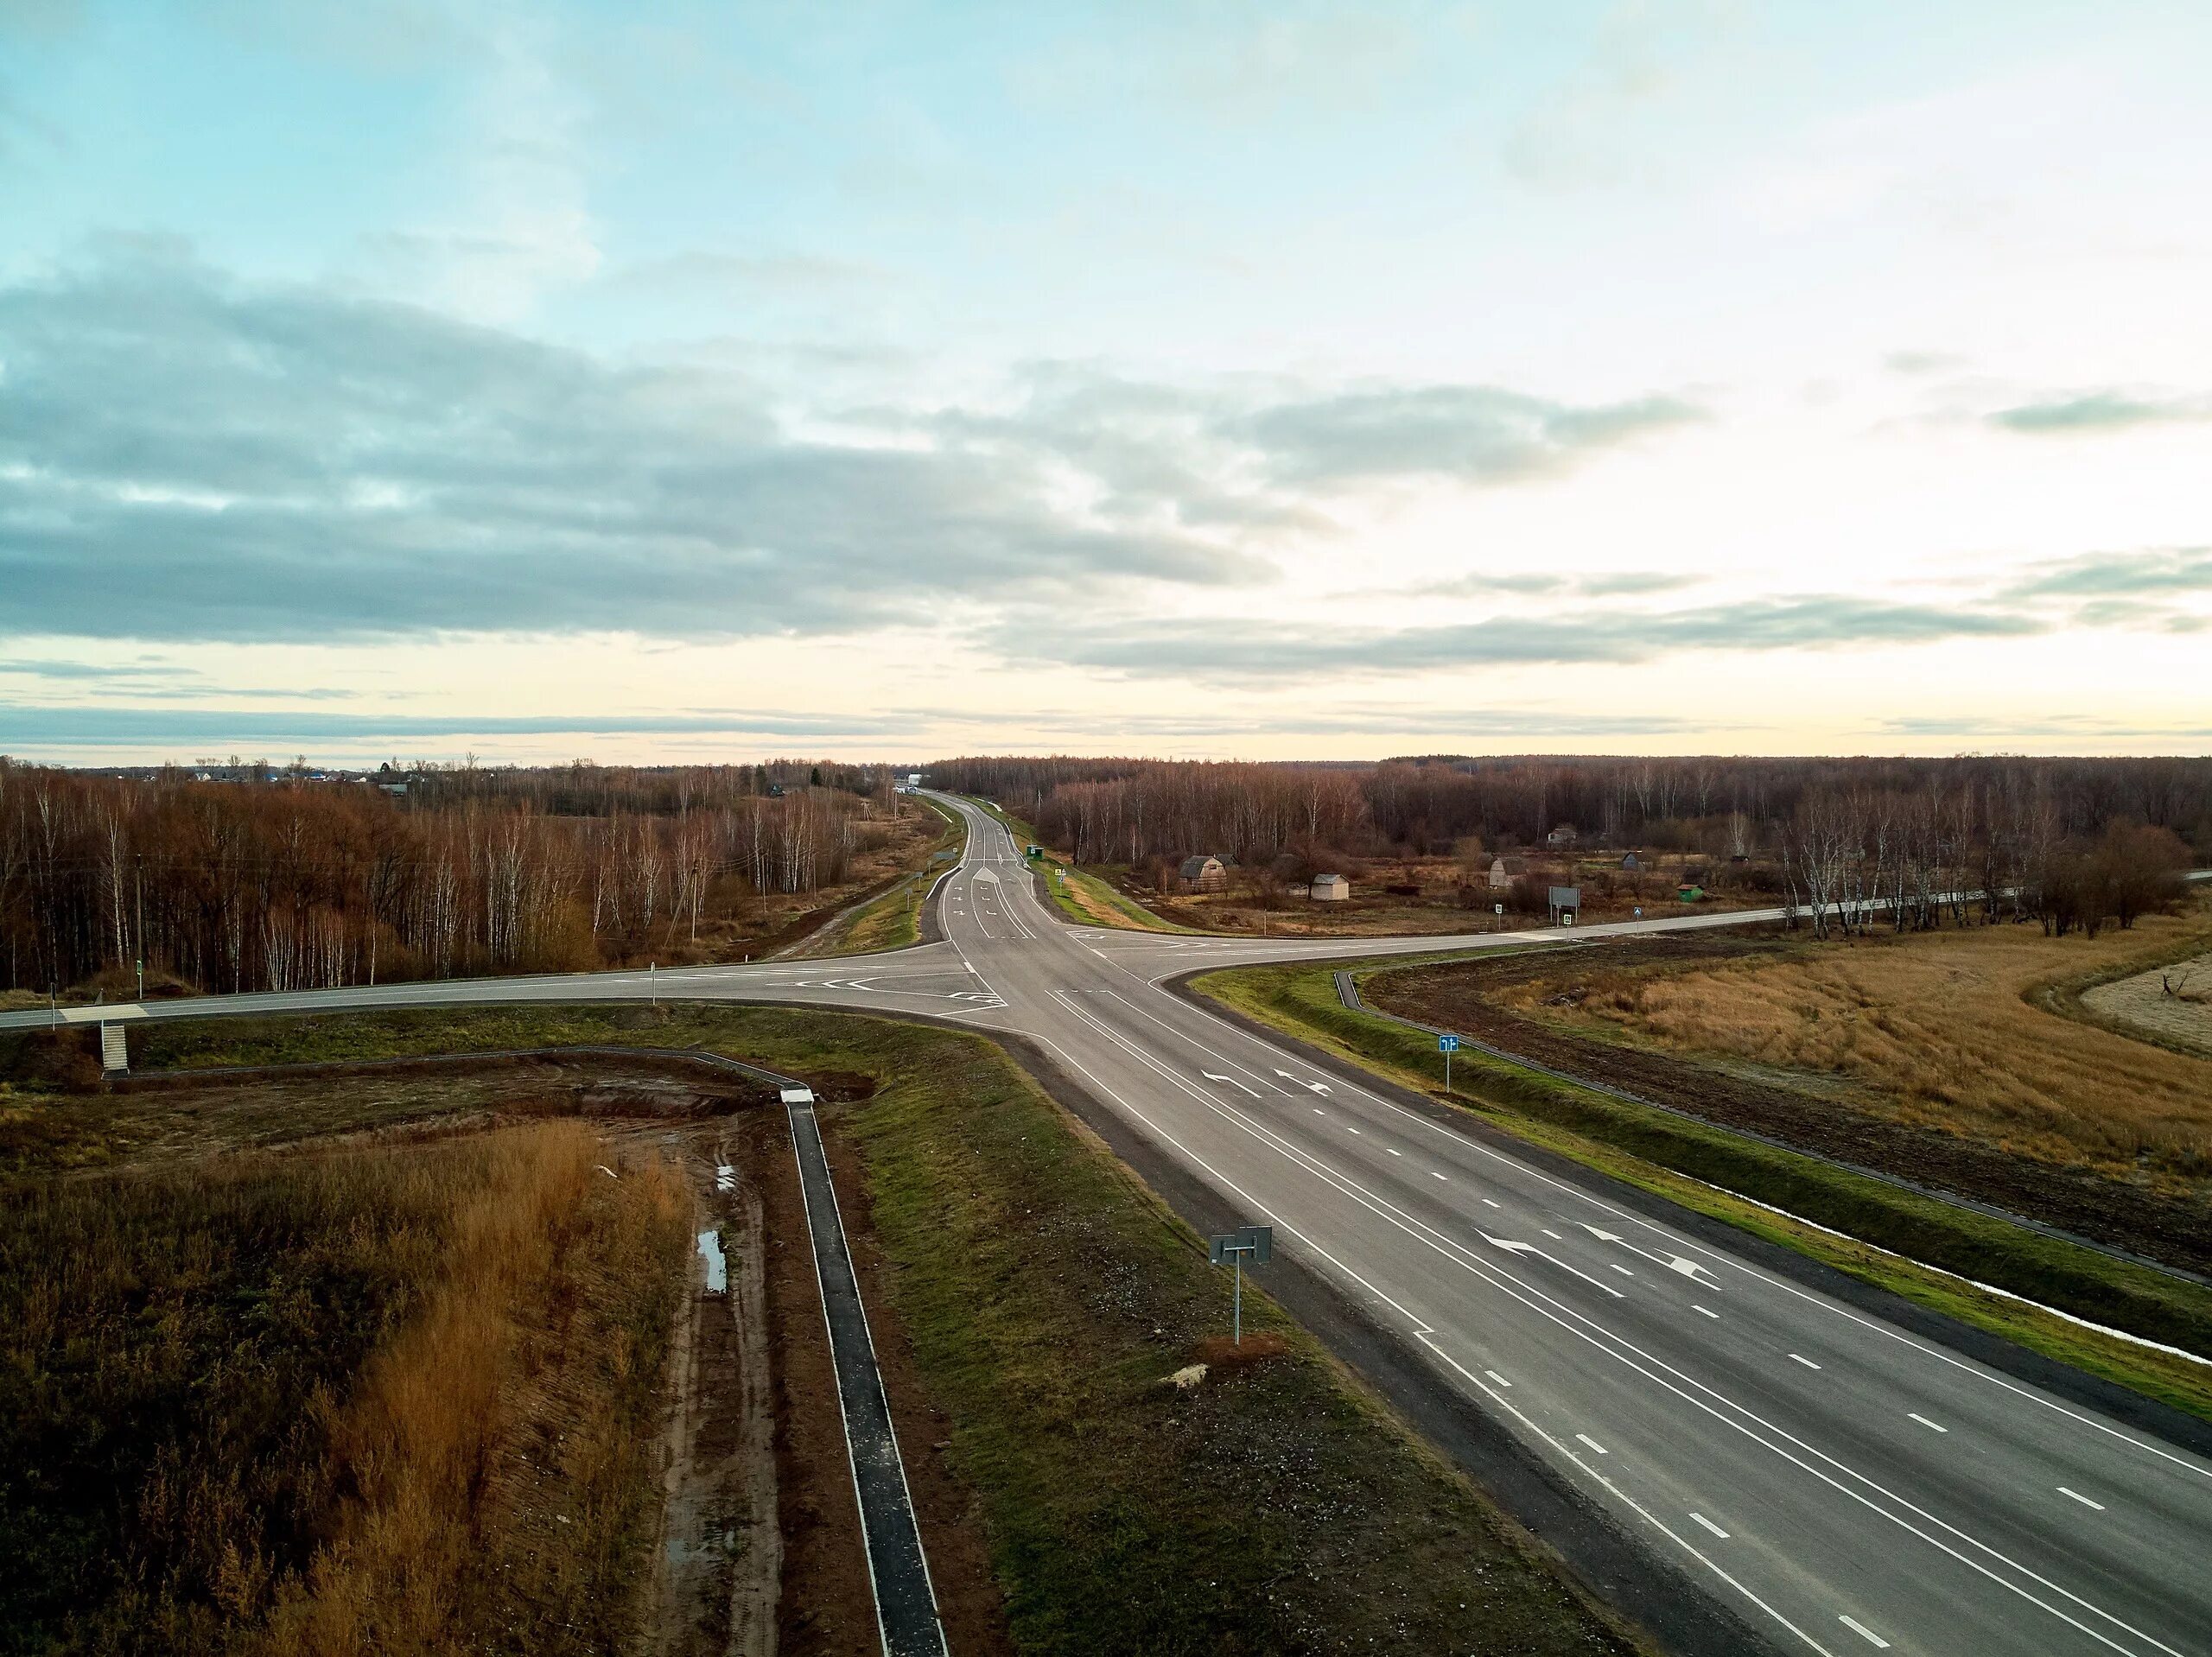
(290, 881)
(2067, 842)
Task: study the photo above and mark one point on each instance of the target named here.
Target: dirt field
(2170, 1003)
(1919, 1056)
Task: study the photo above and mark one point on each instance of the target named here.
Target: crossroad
(1838, 1483)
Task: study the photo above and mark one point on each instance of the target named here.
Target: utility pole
(142, 924)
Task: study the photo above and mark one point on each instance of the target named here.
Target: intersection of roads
(1841, 1484)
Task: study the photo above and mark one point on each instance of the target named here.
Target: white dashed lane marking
(1502, 1382)
(1695, 1307)
(1807, 1362)
(1932, 1426)
(1594, 1443)
(1710, 1526)
(2079, 1497)
(1865, 1633)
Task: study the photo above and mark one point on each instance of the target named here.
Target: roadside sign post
(1447, 1046)
(1232, 1247)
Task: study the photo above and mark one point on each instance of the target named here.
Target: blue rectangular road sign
(1447, 1044)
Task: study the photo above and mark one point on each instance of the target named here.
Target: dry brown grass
(436, 1440)
(1940, 1027)
(389, 1399)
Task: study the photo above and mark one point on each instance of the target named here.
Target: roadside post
(1230, 1248)
(1447, 1046)
(1498, 910)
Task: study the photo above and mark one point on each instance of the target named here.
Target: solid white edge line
(1865, 1633)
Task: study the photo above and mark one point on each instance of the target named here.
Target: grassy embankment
(399, 1399)
(1701, 1166)
(1047, 1296)
(892, 918)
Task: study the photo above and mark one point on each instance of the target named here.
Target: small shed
(1563, 835)
(1202, 873)
(1632, 863)
(1330, 889)
(1503, 870)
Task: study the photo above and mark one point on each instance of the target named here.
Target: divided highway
(1843, 1485)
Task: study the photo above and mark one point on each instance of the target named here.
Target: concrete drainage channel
(899, 1572)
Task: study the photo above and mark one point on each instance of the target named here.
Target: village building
(1330, 889)
(1562, 836)
(1505, 870)
(1202, 873)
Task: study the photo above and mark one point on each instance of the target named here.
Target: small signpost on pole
(1447, 1046)
(1230, 1248)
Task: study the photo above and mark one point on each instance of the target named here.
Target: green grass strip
(1666, 1153)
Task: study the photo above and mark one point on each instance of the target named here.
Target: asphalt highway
(1844, 1486)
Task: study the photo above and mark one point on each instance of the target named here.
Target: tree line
(2070, 842)
(294, 884)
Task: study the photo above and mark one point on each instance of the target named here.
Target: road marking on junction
(2079, 1497)
(1231, 1080)
(1865, 1633)
(1931, 1426)
(1622, 1270)
(1594, 1443)
(1554, 1235)
(1796, 1358)
(1710, 1526)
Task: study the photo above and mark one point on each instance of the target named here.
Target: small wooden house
(1562, 837)
(1202, 873)
(1330, 889)
(1632, 863)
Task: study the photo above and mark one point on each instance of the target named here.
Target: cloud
(1922, 362)
(25, 727)
(1476, 434)
(2166, 570)
(1208, 650)
(2096, 411)
(2054, 725)
(184, 458)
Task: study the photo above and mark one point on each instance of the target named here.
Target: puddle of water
(711, 1248)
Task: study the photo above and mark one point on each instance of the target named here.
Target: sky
(666, 383)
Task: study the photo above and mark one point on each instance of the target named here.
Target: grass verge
(1047, 1296)
(1707, 1169)
(892, 918)
(1082, 896)
(399, 1399)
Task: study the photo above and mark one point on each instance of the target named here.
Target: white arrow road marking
(1512, 1247)
(1231, 1080)
(1318, 1087)
(1688, 1268)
